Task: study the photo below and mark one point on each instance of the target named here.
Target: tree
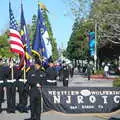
(4, 46)
(105, 14)
(78, 44)
(32, 28)
(78, 8)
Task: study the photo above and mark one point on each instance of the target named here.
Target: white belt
(66, 79)
(51, 81)
(1, 81)
(38, 85)
(22, 80)
(11, 81)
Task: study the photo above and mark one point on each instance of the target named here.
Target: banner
(81, 99)
(92, 43)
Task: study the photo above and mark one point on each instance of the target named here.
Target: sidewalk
(81, 81)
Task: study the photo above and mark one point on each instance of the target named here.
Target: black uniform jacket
(51, 73)
(35, 81)
(65, 71)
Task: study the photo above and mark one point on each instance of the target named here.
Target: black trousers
(1, 96)
(51, 84)
(35, 103)
(65, 82)
(23, 96)
(11, 98)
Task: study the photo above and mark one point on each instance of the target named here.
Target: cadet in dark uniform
(23, 95)
(71, 71)
(65, 73)
(1, 84)
(88, 71)
(51, 74)
(35, 80)
(11, 90)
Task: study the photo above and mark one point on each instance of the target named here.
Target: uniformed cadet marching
(65, 73)
(1, 84)
(35, 80)
(23, 95)
(11, 89)
(88, 70)
(71, 70)
(51, 74)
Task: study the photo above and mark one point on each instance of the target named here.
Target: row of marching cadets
(8, 82)
(36, 78)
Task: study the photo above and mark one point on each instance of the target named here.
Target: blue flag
(92, 43)
(40, 43)
(25, 38)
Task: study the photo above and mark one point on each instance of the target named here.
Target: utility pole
(95, 55)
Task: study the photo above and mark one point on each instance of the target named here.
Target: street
(77, 80)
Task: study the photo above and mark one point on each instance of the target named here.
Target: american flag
(16, 44)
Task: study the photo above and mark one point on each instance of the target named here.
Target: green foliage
(4, 46)
(78, 43)
(79, 8)
(116, 82)
(99, 72)
(32, 28)
(104, 14)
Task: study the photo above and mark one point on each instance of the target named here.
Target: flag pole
(95, 56)
(12, 71)
(24, 78)
(11, 67)
(24, 72)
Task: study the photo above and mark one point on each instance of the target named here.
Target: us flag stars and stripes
(16, 44)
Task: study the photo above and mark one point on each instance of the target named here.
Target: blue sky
(61, 24)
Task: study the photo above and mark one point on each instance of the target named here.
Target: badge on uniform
(41, 75)
(33, 75)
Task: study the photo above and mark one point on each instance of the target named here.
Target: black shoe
(112, 118)
(23, 111)
(28, 119)
(0, 110)
(10, 111)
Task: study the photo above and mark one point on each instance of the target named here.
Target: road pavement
(79, 81)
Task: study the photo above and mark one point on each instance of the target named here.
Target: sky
(61, 24)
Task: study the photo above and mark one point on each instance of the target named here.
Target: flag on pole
(24, 34)
(38, 43)
(92, 43)
(25, 39)
(14, 35)
(41, 44)
(45, 34)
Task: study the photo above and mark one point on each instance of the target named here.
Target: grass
(116, 82)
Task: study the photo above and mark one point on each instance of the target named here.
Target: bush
(116, 82)
(99, 72)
